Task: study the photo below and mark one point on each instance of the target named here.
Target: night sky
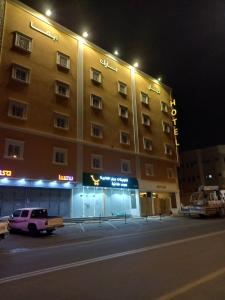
(181, 40)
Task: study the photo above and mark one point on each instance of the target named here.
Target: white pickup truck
(34, 220)
(3, 228)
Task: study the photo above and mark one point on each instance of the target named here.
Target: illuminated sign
(153, 89)
(105, 63)
(174, 120)
(100, 180)
(7, 173)
(65, 178)
(46, 33)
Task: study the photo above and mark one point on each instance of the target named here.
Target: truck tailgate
(55, 222)
(3, 227)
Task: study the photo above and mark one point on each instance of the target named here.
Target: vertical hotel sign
(174, 120)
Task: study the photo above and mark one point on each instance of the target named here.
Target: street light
(136, 64)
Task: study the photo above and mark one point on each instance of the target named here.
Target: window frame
(125, 161)
(92, 96)
(168, 149)
(58, 115)
(165, 126)
(143, 115)
(144, 144)
(120, 108)
(16, 67)
(60, 150)
(127, 134)
(14, 142)
(99, 158)
(141, 98)
(57, 84)
(101, 130)
(149, 166)
(92, 71)
(164, 107)
(16, 44)
(10, 109)
(58, 56)
(120, 83)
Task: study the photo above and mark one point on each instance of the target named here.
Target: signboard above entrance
(102, 180)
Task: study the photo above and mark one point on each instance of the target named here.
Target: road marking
(105, 258)
(111, 224)
(82, 227)
(187, 287)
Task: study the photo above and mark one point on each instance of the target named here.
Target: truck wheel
(32, 229)
(222, 212)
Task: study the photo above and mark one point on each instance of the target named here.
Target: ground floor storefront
(98, 195)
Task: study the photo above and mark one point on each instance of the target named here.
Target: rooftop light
(116, 52)
(48, 12)
(136, 64)
(85, 34)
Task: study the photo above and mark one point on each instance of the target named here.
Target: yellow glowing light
(159, 79)
(116, 52)
(85, 34)
(48, 12)
(136, 64)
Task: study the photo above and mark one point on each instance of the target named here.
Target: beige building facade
(82, 132)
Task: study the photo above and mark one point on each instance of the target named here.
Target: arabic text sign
(46, 33)
(105, 63)
(7, 173)
(102, 180)
(153, 89)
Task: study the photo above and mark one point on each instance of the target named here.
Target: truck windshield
(39, 213)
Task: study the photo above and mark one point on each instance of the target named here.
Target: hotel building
(82, 132)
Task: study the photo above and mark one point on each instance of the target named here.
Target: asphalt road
(172, 258)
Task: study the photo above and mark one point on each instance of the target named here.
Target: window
(122, 88)
(124, 138)
(16, 213)
(62, 89)
(166, 127)
(96, 101)
(22, 42)
(96, 76)
(170, 173)
(61, 121)
(14, 149)
(60, 156)
(20, 73)
(63, 60)
(164, 107)
(144, 98)
(39, 214)
(17, 109)
(96, 130)
(147, 144)
(125, 166)
(149, 170)
(123, 111)
(96, 161)
(168, 149)
(146, 120)
(25, 213)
